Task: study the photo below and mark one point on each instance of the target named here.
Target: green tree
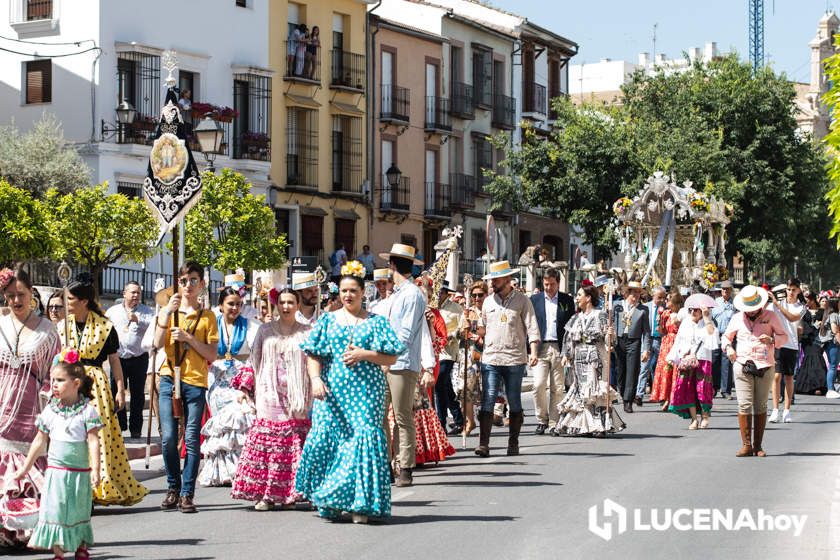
(96, 228)
(41, 159)
(575, 175)
(230, 228)
(24, 234)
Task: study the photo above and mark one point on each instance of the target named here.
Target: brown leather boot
(516, 420)
(485, 424)
(759, 421)
(171, 499)
(745, 423)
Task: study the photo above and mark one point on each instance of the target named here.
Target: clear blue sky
(621, 29)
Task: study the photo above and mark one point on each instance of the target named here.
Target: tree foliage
(41, 159)
(96, 228)
(24, 233)
(230, 228)
(730, 131)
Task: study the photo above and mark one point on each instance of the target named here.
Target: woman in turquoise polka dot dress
(344, 467)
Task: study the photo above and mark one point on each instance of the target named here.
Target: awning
(312, 211)
(346, 214)
(302, 101)
(347, 109)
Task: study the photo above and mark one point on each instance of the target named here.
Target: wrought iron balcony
(438, 200)
(302, 64)
(462, 190)
(463, 105)
(504, 111)
(437, 115)
(395, 104)
(534, 100)
(394, 198)
(347, 70)
(252, 145)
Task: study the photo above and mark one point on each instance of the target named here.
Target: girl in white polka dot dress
(344, 467)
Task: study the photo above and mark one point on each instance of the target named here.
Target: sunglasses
(477, 295)
(193, 282)
(55, 307)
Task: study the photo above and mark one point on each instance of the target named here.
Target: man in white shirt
(790, 311)
(131, 319)
(306, 285)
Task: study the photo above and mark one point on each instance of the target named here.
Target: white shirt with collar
(550, 318)
(130, 333)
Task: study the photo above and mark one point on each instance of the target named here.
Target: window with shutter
(311, 230)
(38, 81)
(345, 233)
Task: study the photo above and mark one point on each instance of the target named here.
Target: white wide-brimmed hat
(403, 252)
(381, 274)
(751, 298)
(499, 269)
(303, 280)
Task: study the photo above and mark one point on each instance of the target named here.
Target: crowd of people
(293, 404)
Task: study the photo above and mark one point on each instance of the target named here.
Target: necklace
(15, 360)
(351, 327)
(229, 342)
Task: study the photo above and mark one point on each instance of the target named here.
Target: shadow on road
(154, 542)
(413, 519)
(500, 483)
(452, 472)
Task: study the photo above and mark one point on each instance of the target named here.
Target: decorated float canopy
(672, 234)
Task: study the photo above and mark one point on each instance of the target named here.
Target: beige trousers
(549, 383)
(400, 392)
(752, 391)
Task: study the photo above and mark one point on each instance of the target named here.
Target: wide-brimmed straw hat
(381, 274)
(303, 280)
(751, 298)
(499, 269)
(403, 252)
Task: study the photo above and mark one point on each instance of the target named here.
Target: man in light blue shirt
(721, 366)
(406, 314)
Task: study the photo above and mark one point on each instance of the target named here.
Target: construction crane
(756, 32)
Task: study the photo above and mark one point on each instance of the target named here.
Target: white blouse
(691, 336)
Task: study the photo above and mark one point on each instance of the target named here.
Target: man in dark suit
(553, 310)
(632, 332)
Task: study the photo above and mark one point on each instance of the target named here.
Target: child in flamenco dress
(70, 424)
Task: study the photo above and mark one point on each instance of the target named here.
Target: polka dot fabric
(345, 459)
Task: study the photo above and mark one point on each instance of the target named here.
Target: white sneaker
(786, 417)
(774, 416)
(832, 394)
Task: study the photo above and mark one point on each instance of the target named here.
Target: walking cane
(464, 394)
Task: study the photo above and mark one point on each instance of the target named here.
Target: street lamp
(393, 175)
(209, 135)
(125, 116)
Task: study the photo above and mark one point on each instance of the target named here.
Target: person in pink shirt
(749, 341)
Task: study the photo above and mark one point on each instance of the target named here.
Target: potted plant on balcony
(226, 114)
(200, 110)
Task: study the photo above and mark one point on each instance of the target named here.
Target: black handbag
(751, 369)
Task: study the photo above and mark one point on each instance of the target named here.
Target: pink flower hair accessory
(6, 277)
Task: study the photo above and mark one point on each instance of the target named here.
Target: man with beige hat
(406, 313)
(631, 334)
(306, 285)
(509, 327)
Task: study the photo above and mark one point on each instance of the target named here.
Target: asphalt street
(537, 505)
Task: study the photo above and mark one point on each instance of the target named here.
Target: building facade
(812, 115)
(321, 189)
(122, 63)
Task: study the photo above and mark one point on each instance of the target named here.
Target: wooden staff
(609, 290)
(64, 273)
(152, 388)
(177, 405)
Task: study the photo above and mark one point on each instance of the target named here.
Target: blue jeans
(832, 350)
(193, 399)
(491, 376)
(649, 367)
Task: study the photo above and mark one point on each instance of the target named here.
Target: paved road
(536, 505)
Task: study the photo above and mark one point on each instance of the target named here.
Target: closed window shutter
(39, 81)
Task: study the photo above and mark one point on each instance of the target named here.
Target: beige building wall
(319, 128)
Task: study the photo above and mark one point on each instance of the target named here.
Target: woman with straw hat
(757, 331)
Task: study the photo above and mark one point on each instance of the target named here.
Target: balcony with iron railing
(395, 198)
(534, 99)
(438, 200)
(347, 70)
(395, 104)
(301, 63)
(437, 115)
(462, 105)
(252, 145)
(462, 190)
(504, 111)
(32, 11)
